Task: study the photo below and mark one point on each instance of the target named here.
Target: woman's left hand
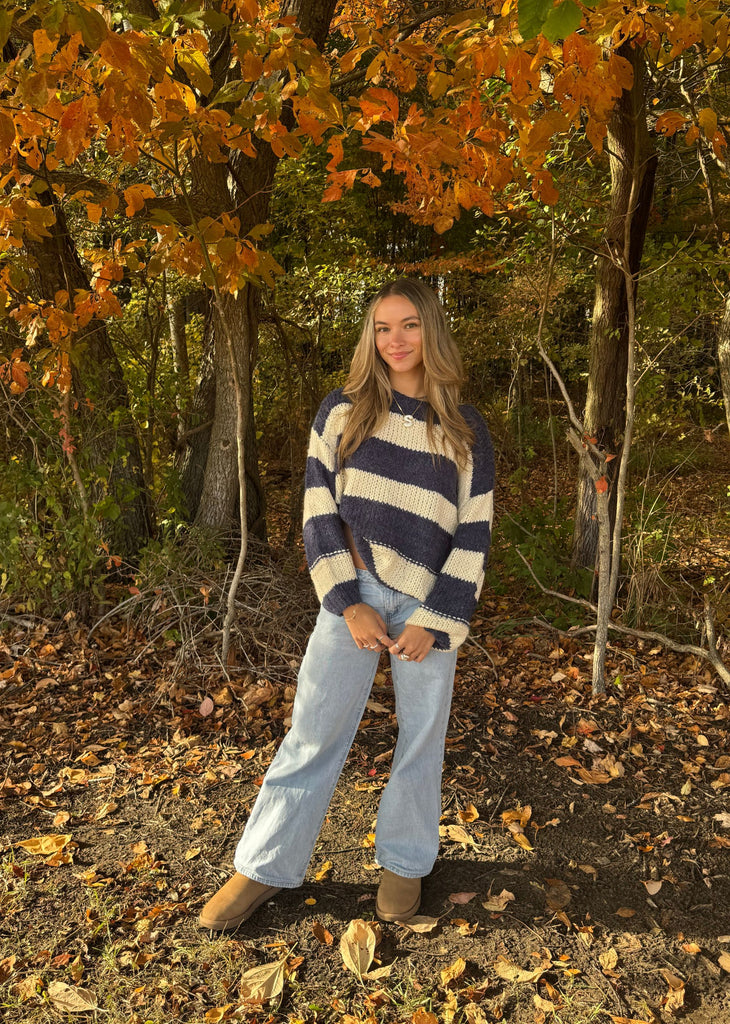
(413, 644)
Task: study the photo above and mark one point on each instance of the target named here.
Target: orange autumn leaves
(113, 116)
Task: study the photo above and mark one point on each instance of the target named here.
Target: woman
(397, 526)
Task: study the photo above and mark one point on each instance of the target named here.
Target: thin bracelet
(351, 617)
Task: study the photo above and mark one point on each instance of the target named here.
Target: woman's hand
(413, 644)
(367, 627)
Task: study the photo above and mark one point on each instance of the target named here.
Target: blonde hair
(368, 384)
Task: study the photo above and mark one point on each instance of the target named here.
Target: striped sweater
(421, 525)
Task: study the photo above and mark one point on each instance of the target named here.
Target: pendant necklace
(408, 418)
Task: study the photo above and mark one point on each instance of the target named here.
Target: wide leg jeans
(334, 684)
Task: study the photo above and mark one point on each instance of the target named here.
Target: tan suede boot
(234, 903)
(398, 898)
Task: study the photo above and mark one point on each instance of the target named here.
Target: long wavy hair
(368, 384)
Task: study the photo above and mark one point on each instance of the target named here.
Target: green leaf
(91, 25)
(531, 15)
(215, 20)
(160, 216)
(562, 20)
(6, 23)
(677, 6)
(53, 17)
(232, 92)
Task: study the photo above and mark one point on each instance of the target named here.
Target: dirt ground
(596, 831)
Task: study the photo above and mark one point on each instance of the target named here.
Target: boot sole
(404, 915)
(231, 923)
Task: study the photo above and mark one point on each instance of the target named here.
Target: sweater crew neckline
(406, 404)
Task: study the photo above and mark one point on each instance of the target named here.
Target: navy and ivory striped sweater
(421, 525)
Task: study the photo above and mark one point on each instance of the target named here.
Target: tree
(181, 115)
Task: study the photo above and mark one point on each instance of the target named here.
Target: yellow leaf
(609, 959)
(625, 912)
(724, 962)
(510, 971)
(193, 852)
(456, 970)
(470, 813)
(263, 983)
(218, 1013)
(324, 871)
(196, 68)
(521, 839)
(357, 946)
(423, 1016)
(45, 845)
(708, 121)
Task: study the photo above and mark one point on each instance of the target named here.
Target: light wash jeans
(334, 684)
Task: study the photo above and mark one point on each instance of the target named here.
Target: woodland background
(185, 183)
(197, 200)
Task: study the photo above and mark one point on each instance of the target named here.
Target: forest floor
(584, 874)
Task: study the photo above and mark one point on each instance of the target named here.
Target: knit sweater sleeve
(328, 556)
(449, 607)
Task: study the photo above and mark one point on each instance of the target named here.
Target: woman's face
(398, 340)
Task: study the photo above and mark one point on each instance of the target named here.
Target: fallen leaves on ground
(358, 945)
(69, 999)
(510, 971)
(264, 983)
(43, 846)
(498, 904)
(420, 924)
(456, 834)
(453, 972)
(321, 934)
(674, 999)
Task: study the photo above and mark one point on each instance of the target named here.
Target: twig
(710, 654)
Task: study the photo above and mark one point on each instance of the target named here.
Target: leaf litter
(148, 793)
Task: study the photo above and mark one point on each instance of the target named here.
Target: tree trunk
(723, 357)
(195, 448)
(629, 144)
(178, 338)
(108, 438)
(243, 184)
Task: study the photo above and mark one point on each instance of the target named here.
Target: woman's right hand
(367, 627)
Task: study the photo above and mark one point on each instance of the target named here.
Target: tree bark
(103, 419)
(629, 145)
(723, 357)
(244, 185)
(178, 338)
